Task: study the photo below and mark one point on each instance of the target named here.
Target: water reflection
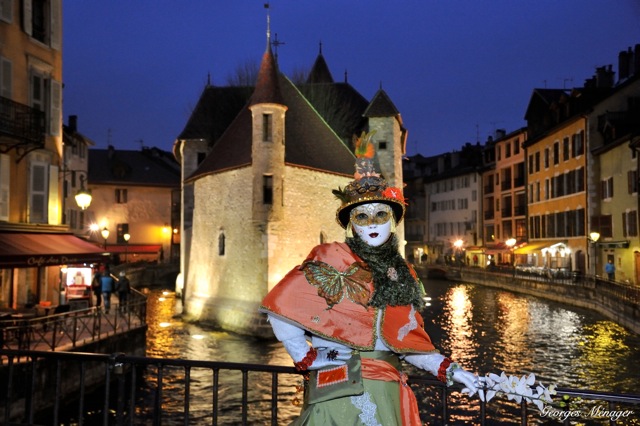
(489, 330)
(486, 330)
(169, 337)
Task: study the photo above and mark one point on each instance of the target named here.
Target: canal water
(484, 329)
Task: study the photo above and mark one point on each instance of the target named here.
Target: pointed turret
(320, 71)
(381, 106)
(267, 88)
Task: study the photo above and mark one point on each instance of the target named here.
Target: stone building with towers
(258, 167)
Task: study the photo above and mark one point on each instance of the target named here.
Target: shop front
(544, 258)
(38, 268)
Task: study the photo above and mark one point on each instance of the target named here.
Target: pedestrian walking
(610, 269)
(107, 288)
(96, 287)
(124, 288)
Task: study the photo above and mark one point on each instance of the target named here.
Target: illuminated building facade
(557, 152)
(614, 134)
(259, 166)
(504, 195)
(35, 243)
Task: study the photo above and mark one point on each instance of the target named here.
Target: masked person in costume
(350, 313)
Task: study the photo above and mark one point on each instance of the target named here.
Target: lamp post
(510, 243)
(594, 237)
(458, 245)
(83, 196)
(126, 246)
(105, 235)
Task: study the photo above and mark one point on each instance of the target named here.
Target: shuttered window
(55, 109)
(38, 193)
(6, 10)
(5, 181)
(6, 78)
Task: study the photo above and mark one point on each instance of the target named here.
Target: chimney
(623, 64)
(111, 151)
(73, 123)
(455, 159)
(634, 62)
(604, 77)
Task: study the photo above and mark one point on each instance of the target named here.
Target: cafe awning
(537, 246)
(496, 248)
(613, 244)
(29, 250)
(134, 248)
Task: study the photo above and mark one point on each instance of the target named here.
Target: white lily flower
(539, 403)
(522, 386)
(494, 377)
(515, 389)
(531, 380)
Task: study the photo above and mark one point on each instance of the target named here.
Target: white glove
(295, 342)
(431, 363)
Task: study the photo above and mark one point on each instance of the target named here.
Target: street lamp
(105, 235)
(458, 245)
(594, 237)
(510, 243)
(126, 246)
(83, 196)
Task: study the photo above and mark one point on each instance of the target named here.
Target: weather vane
(275, 43)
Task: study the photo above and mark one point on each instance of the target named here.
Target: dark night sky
(456, 69)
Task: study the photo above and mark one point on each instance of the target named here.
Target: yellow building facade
(557, 200)
(35, 245)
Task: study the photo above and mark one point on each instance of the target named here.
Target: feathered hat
(368, 186)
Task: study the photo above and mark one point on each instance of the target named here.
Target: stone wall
(226, 290)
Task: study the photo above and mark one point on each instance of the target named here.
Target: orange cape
(295, 299)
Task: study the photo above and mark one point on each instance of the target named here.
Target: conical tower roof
(381, 106)
(320, 72)
(267, 89)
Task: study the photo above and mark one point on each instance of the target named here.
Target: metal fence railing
(125, 390)
(69, 330)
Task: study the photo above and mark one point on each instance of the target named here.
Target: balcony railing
(24, 124)
(130, 390)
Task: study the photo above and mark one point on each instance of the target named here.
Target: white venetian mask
(372, 222)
